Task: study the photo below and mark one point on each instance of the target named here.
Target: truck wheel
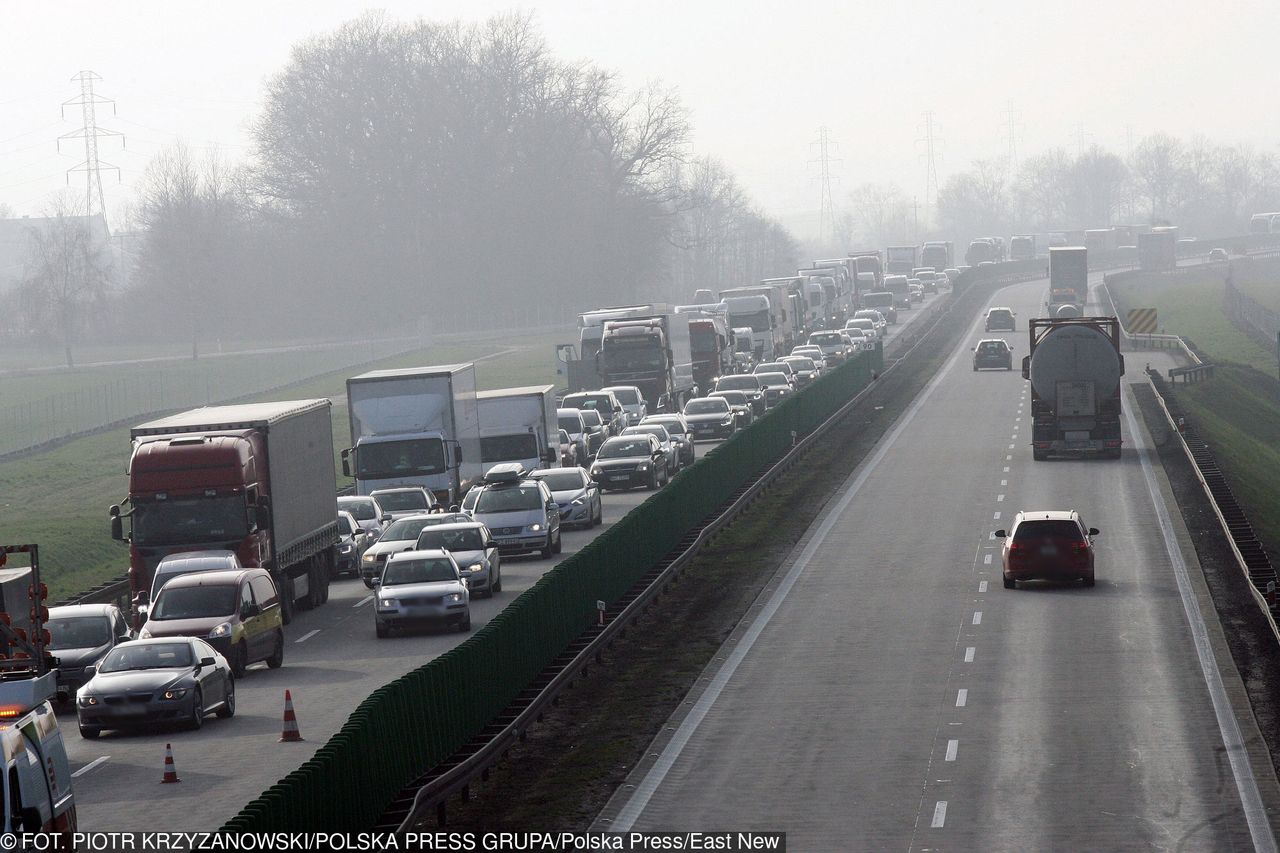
(286, 599)
(317, 577)
(1039, 455)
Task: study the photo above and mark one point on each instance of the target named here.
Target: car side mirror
(262, 516)
(377, 581)
(208, 662)
(91, 670)
(249, 610)
(386, 518)
(1000, 534)
(1093, 531)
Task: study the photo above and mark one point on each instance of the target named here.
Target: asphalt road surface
(887, 693)
(333, 661)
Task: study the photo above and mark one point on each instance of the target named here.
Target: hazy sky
(759, 78)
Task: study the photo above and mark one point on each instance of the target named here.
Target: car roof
(377, 492)
(697, 399)
(82, 610)
(643, 428)
(225, 577)
(421, 554)
(202, 557)
(543, 472)
(454, 525)
(1000, 308)
(1047, 515)
(993, 341)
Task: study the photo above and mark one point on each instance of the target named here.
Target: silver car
(521, 516)
(368, 512)
(575, 493)
(404, 500)
(401, 535)
(421, 589)
(803, 367)
(473, 549)
(633, 402)
(572, 423)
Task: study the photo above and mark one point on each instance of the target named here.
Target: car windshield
(195, 602)
(992, 346)
(826, 339)
(563, 481)
(445, 518)
(1047, 528)
(345, 526)
(404, 529)
(508, 498)
(627, 396)
(421, 570)
(674, 427)
(588, 402)
(623, 448)
(383, 459)
(773, 378)
(190, 520)
(759, 321)
(467, 539)
(879, 300)
(570, 425)
(734, 398)
(503, 448)
(78, 632)
(738, 383)
(592, 418)
(656, 430)
(705, 407)
(867, 315)
(131, 656)
(406, 501)
(362, 508)
(770, 367)
(999, 315)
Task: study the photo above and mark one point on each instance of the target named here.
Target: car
(353, 541)
(80, 635)
(518, 511)
(575, 493)
(710, 417)
(680, 435)
(237, 612)
(803, 368)
(883, 301)
(928, 280)
(402, 501)
(634, 406)
(1001, 319)
(747, 383)
(183, 563)
(874, 315)
(575, 427)
(627, 461)
(859, 340)
(866, 324)
(473, 549)
(915, 291)
(741, 405)
(665, 441)
(809, 351)
(421, 589)
(952, 275)
(777, 387)
(368, 512)
(609, 407)
(993, 352)
(833, 346)
(143, 682)
(1047, 544)
(568, 451)
(401, 535)
(775, 367)
(597, 431)
(1218, 255)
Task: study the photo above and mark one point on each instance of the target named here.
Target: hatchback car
(1218, 255)
(236, 612)
(710, 417)
(775, 367)
(866, 324)
(748, 384)
(404, 500)
(777, 387)
(367, 511)
(597, 430)
(399, 536)
(612, 415)
(627, 461)
(874, 316)
(185, 563)
(421, 589)
(741, 405)
(79, 636)
(634, 406)
(575, 493)
(993, 352)
(143, 682)
(518, 511)
(352, 543)
(1001, 320)
(473, 549)
(568, 451)
(570, 420)
(665, 441)
(803, 369)
(684, 440)
(1047, 544)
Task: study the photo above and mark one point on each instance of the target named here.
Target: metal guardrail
(455, 776)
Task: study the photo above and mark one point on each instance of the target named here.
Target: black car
(79, 636)
(680, 434)
(627, 461)
(747, 383)
(1001, 320)
(992, 352)
(740, 402)
(710, 417)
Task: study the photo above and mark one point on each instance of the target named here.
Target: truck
(980, 250)
(1022, 247)
(828, 280)
(710, 344)
(654, 354)
(415, 426)
(1068, 281)
(256, 479)
(1157, 251)
(901, 260)
(937, 254)
(784, 321)
(754, 312)
(580, 365)
(519, 425)
(900, 287)
(1100, 240)
(868, 261)
(1074, 366)
(791, 290)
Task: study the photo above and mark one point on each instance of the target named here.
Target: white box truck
(519, 425)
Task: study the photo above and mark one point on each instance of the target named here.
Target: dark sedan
(172, 680)
(740, 402)
(680, 435)
(79, 636)
(993, 352)
(748, 384)
(627, 461)
(710, 417)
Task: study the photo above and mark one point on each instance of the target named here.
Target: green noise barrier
(423, 717)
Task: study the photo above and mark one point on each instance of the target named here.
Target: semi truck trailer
(1068, 281)
(1074, 367)
(519, 425)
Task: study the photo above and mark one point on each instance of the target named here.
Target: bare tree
(882, 212)
(1157, 165)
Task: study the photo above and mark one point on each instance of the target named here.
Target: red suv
(1050, 544)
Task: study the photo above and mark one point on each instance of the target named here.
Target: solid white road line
(953, 746)
(362, 602)
(939, 815)
(89, 766)
(962, 697)
(977, 617)
(969, 653)
(307, 636)
(1250, 798)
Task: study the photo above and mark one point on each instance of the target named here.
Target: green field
(1260, 279)
(59, 499)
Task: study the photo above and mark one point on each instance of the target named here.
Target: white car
(573, 490)
(421, 588)
(859, 339)
(874, 316)
(633, 402)
(866, 324)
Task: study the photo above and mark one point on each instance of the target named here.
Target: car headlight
(86, 701)
(643, 466)
(369, 558)
(729, 420)
(595, 472)
(453, 598)
(534, 528)
(388, 602)
(175, 694)
(223, 630)
(475, 567)
(345, 547)
(144, 634)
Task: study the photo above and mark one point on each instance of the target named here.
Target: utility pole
(1081, 134)
(915, 219)
(1012, 123)
(931, 142)
(90, 132)
(827, 211)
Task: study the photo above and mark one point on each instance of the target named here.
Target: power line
(827, 210)
(931, 142)
(90, 132)
(1012, 124)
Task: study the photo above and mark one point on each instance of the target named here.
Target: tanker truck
(1075, 367)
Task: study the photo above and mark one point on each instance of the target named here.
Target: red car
(1047, 544)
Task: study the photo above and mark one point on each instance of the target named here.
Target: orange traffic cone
(170, 772)
(291, 733)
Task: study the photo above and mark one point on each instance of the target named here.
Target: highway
(888, 693)
(332, 663)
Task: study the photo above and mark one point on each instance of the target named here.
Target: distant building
(16, 248)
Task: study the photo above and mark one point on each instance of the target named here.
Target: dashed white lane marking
(962, 697)
(969, 653)
(999, 498)
(939, 815)
(1007, 457)
(1016, 420)
(987, 559)
(307, 636)
(1012, 446)
(977, 617)
(89, 766)
(996, 517)
(982, 586)
(1006, 469)
(1004, 482)
(362, 602)
(953, 746)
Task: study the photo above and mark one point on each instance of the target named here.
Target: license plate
(619, 476)
(1048, 551)
(506, 540)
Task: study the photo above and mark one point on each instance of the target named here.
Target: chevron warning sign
(1142, 321)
